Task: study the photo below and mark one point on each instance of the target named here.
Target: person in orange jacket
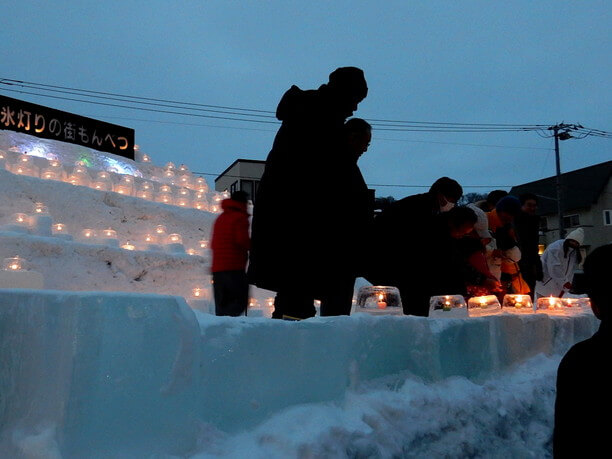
(230, 248)
(500, 225)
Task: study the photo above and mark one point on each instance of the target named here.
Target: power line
(369, 184)
(380, 124)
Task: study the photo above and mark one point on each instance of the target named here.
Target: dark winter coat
(584, 398)
(400, 234)
(527, 229)
(295, 216)
(230, 237)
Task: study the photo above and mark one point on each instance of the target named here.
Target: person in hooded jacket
(403, 236)
(230, 246)
(294, 209)
(558, 263)
(583, 394)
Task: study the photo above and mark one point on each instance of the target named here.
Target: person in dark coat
(403, 235)
(583, 394)
(527, 228)
(293, 210)
(353, 217)
(230, 245)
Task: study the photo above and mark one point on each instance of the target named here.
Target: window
(248, 187)
(233, 187)
(607, 217)
(571, 220)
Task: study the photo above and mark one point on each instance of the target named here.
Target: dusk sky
(515, 62)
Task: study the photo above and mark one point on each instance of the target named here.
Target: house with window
(241, 175)
(586, 202)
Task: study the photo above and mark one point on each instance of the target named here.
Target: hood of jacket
(231, 205)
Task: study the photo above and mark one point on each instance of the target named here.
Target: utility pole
(561, 131)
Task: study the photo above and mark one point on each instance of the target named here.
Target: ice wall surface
(103, 374)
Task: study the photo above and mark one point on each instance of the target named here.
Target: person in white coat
(558, 263)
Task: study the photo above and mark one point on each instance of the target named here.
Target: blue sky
(516, 62)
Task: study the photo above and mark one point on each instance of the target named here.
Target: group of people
(314, 229)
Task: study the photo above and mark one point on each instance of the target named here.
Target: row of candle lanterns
(186, 192)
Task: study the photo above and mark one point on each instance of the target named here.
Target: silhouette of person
(230, 245)
(350, 221)
(583, 396)
(405, 234)
(291, 218)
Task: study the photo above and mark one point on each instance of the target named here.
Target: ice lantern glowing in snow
(160, 229)
(40, 209)
(517, 303)
(203, 243)
(197, 292)
(448, 306)
(484, 305)
(174, 238)
(59, 228)
(379, 299)
(21, 219)
(13, 264)
(128, 246)
(109, 233)
(88, 233)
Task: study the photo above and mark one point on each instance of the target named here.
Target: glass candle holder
(184, 192)
(165, 189)
(200, 205)
(484, 305)
(174, 238)
(103, 176)
(40, 209)
(13, 264)
(197, 292)
(183, 202)
(143, 194)
(169, 166)
(123, 189)
(146, 186)
(379, 299)
(59, 228)
(160, 229)
(88, 234)
(50, 174)
(549, 303)
(128, 246)
(101, 185)
(448, 306)
(166, 198)
(21, 219)
(146, 158)
(150, 239)
(517, 303)
(203, 243)
(109, 233)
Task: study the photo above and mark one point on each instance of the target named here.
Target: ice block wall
(105, 374)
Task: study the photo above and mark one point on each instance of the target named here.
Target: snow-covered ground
(132, 371)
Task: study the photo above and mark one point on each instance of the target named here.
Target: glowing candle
(197, 292)
(146, 186)
(203, 243)
(382, 304)
(169, 166)
(101, 186)
(55, 163)
(175, 238)
(214, 209)
(59, 228)
(40, 208)
(183, 192)
(146, 158)
(191, 252)
(165, 189)
(143, 194)
(21, 219)
(109, 233)
(182, 202)
(199, 205)
(49, 174)
(183, 168)
(88, 233)
(13, 264)
(270, 302)
(160, 229)
(128, 246)
(447, 305)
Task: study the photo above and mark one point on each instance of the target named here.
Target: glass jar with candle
(14, 264)
(451, 306)
(379, 299)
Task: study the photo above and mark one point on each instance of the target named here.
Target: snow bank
(108, 374)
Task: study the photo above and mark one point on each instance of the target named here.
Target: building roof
(580, 188)
(258, 161)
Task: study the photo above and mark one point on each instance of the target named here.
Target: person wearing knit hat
(558, 263)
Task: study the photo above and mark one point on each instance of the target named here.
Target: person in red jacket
(230, 246)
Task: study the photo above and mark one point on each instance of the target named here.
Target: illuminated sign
(48, 123)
